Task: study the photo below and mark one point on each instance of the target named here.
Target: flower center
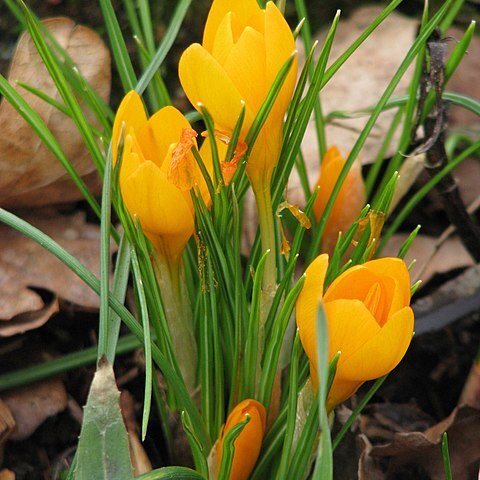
(182, 169)
(373, 301)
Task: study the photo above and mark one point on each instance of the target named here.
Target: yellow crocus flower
(243, 49)
(249, 442)
(157, 172)
(368, 317)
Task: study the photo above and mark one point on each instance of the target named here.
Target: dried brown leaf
(25, 264)
(33, 404)
(7, 422)
(424, 448)
(471, 390)
(430, 260)
(465, 78)
(367, 467)
(140, 461)
(29, 173)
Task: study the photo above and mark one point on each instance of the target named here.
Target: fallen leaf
(367, 467)
(424, 448)
(30, 276)
(140, 461)
(467, 176)
(33, 404)
(29, 173)
(429, 260)
(465, 78)
(7, 423)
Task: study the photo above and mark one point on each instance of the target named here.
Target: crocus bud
(368, 317)
(249, 442)
(349, 202)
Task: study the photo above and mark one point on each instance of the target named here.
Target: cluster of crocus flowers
(368, 317)
(248, 444)
(349, 202)
(243, 49)
(158, 171)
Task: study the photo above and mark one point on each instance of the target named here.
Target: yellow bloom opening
(157, 172)
(368, 317)
(243, 49)
(249, 442)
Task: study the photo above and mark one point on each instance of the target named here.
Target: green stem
(179, 316)
(263, 198)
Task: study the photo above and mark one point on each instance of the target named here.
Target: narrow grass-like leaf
(143, 311)
(446, 457)
(254, 340)
(291, 145)
(119, 290)
(337, 64)
(89, 96)
(451, 15)
(274, 342)
(324, 464)
(63, 364)
(118, 46)
(198, 450)
(166, 44)
(292, 410)
(303, 449)
(306, 35)
(105, 220)
(229, 448)
(408, 243)
(171, 473)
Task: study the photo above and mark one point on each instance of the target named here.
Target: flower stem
(267, 235)
(269, 280)
(179, 316)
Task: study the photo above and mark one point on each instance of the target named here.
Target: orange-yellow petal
(308, 302)
(243, 10)
(161, 130)
(382, 352)
(130, 114)
(350, 326)
(224, 41)
(279, 45)
(248, 443)
(159, 206)
(205, 81)
(132, 156)
(245, 66)
(340, 391)
(394, 268)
